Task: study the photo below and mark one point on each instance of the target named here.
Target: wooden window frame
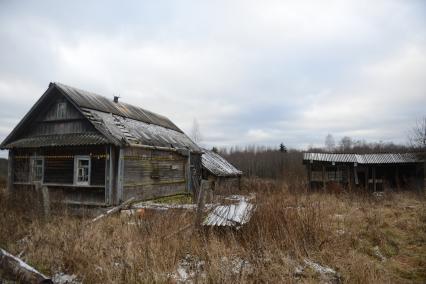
(61, 110)
(33, 166)
(76, 160)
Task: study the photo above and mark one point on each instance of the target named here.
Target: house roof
(94, 101)
(217, 165)
(382, 158)
(117, 123)
(59, 140)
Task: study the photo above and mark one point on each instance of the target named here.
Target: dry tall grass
(364, 238)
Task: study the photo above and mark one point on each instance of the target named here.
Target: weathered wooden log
(114, 210)
(14, 269)
(200, 204)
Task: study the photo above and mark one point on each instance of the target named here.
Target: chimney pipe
(116, 99)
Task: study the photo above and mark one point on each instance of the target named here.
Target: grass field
(365, 239)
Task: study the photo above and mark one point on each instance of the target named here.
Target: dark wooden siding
(21, 172)
(59, 170)
(49, 123)
(97, 176)
(152, 173)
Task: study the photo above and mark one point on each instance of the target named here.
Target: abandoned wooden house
(375, 172)
(222, 175)
(86, 149)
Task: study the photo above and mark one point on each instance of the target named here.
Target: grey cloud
(249, 71)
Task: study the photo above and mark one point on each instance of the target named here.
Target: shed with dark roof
(375, 172)
(223, 176)
(88, 149)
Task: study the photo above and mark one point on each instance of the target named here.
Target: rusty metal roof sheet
(217, 165)
(134, 132)
(59, 140)
(85, 99)
(382, 158)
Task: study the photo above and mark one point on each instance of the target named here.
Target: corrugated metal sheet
(395, 158)
(59, 140)
(136, 132)
(94, 101)
(230, 215)
(217, 165)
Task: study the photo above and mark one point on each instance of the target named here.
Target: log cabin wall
(152, 173)
(59, 172)
(224, 185)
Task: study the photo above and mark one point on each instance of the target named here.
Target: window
(61, 110)
(37, 169)
(82, 170)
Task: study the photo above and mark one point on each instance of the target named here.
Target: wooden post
(424, 177)
(120, 176)
(200, 204)
(374, 178)
(46, 200)
(356, 174)
(310, 175)
(10, 167)
(189, 174)
(348, 177)
(107, 182)
(323, 177)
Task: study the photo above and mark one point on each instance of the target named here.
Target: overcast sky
(250, 72)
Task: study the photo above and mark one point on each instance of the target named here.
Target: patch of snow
(237, 265)
(378, 253)
(189, 269)
(339, 217)
(165, 206)
(327, 274)
(62, 278)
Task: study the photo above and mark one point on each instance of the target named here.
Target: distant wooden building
(374, 172)
(223, 176)
(87, 149)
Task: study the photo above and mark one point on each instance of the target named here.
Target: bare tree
(417, 135)
(346, 143)
(329, 142)
(196, 132)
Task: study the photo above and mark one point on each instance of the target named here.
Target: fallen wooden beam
(114, 210)
(14, 269)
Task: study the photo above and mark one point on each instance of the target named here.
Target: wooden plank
(120, 175)
(108, 191)
(188, 173)
(14, 269)
(114, 210)
(10, 168)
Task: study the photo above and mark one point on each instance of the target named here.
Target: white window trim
(32, 167)
(76, 159)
